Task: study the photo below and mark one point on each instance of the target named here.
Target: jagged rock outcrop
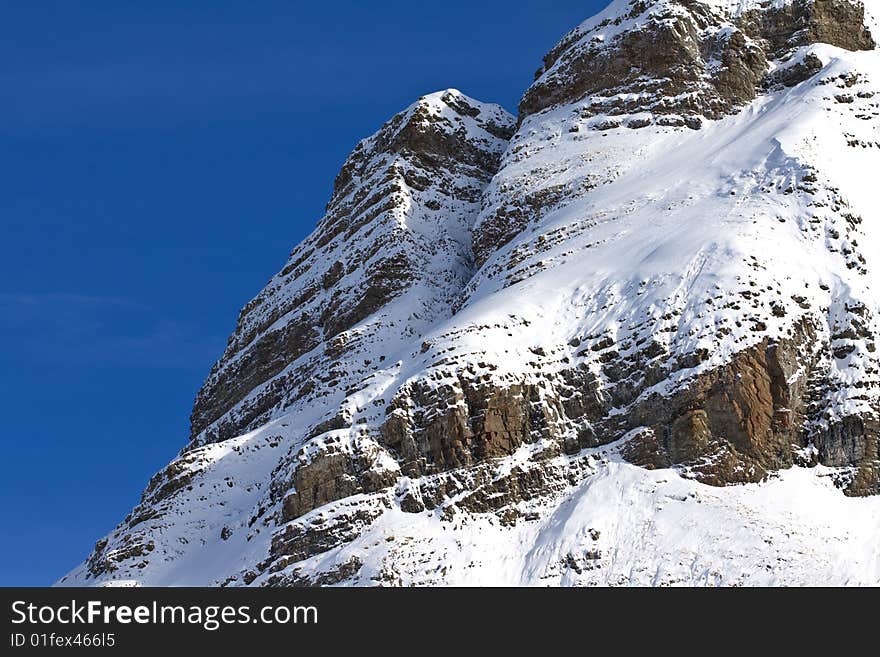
(671, 63)
(685, 59)
(390, 254)
(540, 341)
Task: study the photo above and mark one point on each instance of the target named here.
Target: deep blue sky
(158, 161)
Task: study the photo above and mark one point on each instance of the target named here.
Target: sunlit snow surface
(627, 526)
(622, 525)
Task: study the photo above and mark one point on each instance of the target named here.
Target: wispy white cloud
(64, 298)
(65, 327)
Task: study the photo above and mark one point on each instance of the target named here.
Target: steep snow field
(623, 525)
(627, 526)
(673, 228)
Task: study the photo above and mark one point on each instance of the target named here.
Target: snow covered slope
(382, 265)
(636, 344)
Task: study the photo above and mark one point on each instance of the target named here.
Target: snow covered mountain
(629, 337)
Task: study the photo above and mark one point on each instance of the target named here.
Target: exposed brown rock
(838, 23)
(103, 560)
(745, 416)
(331, 470)
(730, 424)
(853, 441)
(688, 436)
(670, 55)
(265, 358)
(646, 450)
(464, 423)
(796, 73)
(297, 579)
(315, 534)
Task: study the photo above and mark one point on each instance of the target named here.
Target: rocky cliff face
(388, 257)
(525, 340)
(686, 60)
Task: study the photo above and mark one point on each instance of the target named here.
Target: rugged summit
(683, 60)
(388, 257)
(629, 337)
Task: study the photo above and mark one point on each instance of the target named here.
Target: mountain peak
(522, 354)
(396, 231)
(689, 59)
